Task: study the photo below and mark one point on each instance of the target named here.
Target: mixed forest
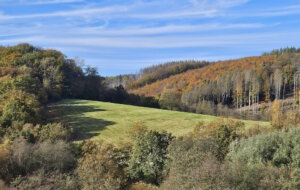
(38, 154)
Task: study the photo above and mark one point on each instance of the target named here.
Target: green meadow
(111, 122)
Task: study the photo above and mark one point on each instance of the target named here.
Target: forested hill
(233, 83)
(153, 73)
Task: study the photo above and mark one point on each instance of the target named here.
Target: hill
(111, 122)
(245, 82)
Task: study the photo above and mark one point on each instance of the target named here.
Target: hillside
(231, 84)
(111, 122)
(192, 78)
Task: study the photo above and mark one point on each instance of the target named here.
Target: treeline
(281, 51)
(120, 80)
(154, 73)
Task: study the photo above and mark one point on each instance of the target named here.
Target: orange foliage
(192, 78)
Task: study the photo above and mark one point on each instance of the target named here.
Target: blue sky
(119, 36)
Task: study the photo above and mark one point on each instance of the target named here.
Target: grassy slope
(111, 122)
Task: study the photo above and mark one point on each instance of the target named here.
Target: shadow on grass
(74, 116)
(86, 127)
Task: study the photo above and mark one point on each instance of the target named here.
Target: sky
(120, 37)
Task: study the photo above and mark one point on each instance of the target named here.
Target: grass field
(111, 122)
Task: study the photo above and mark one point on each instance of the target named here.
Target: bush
(223, 132)
(188, 158)
(192, 165)
(279, 148)
(5, 163)
(47, 181)
(138, 129)
(102, 166)
(170, 99)
(28, 158)
(148, 157)
(54, 132)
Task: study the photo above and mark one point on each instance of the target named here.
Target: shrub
(192, 165)
(54, 132)
(170, 99)
(5, 163)
(41, 180)
(102, 166)
(223, 132)
(28, 157)
(188, 159)
(138, 129)
(279, 148)
(148, 157)
(206, 107)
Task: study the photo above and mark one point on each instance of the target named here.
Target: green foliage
(192, 165)
(279, 148)
(224, 136)
(170, 99)
(19, 107)
(148, 157)
(281, 51)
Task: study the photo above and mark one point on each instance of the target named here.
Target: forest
(242, 88)
(38, 154)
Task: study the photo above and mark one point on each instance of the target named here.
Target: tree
(277, 116)
(19, 107)
(148, 157)
(170, 99)
(278, 83)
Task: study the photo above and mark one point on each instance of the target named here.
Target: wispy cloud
(138, 9)
(45, 2)
(163, 41)
(84, 12)
(269, 12)
(166, 29)
(104, 31)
